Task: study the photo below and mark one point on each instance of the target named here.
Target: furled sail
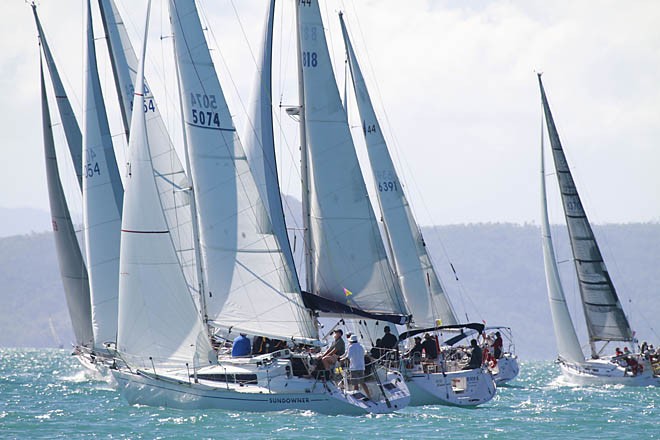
(568, 345)
(260, 146)
(173, 184)
(605, 318)
(158, 320)
(348, 259)
(69, 257)
(424, 295)
(102, 200)
(249, 286)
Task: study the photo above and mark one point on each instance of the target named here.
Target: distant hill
(15, 221)
(500, 267)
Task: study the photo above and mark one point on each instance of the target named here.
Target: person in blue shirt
(241, 346)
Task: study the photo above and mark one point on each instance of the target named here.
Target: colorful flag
(347, 292)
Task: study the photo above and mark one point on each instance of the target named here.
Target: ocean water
(47, 394)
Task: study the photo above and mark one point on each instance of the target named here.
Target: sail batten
(419, 282)
(250, 288)
(605, 318)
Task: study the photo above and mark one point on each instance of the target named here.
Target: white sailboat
(604, 315)
(163, 339)
(429, 382)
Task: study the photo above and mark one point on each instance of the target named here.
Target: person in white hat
(355, 356)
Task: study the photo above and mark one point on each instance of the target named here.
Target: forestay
(69, 257)
(172, 182)
(568, 345)
(249, 287)
(348, 258)
(102, 200)
(424, 295)
(605, 318)
(158, 320)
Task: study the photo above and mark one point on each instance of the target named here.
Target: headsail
(605, 318)
(69, 257)
(249, 286)
(173, 184)
(424, 295)
(348, 259)
(102, 200)
(260, 146)
(158, 320)
(568, 345)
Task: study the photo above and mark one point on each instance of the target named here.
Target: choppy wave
(48, 394)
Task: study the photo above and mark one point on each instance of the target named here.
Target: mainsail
(69, 257)
(604, 315)
(249, 286)
(68, 118)
(568, 345)
(424, 295)
(102, 200)
(347, 257)
(173, 184)
(158, 320)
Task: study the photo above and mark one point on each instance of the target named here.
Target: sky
(454, 86)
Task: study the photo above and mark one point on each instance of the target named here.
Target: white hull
(456, 388)
(99, 364)
(604, 372)
(506, 370)
(246, 387)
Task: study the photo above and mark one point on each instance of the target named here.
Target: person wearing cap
(416, 349)
(355, 356)
(336, 349)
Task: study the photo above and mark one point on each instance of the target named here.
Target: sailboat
(432, 381)
(605, 318)
(165, 356)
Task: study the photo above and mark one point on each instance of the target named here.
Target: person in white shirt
(355, 356)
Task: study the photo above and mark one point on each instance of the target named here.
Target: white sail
(69, 257)
(158, 320)
(568, 345)
(249, 286)
(424, 295)
(172, 182)
(260, 145)
(102, 200)
(67, 117)
(606, 320)
(348, 259)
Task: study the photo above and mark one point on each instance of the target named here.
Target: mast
(605, 318)
(304, 166)
(568, 345)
